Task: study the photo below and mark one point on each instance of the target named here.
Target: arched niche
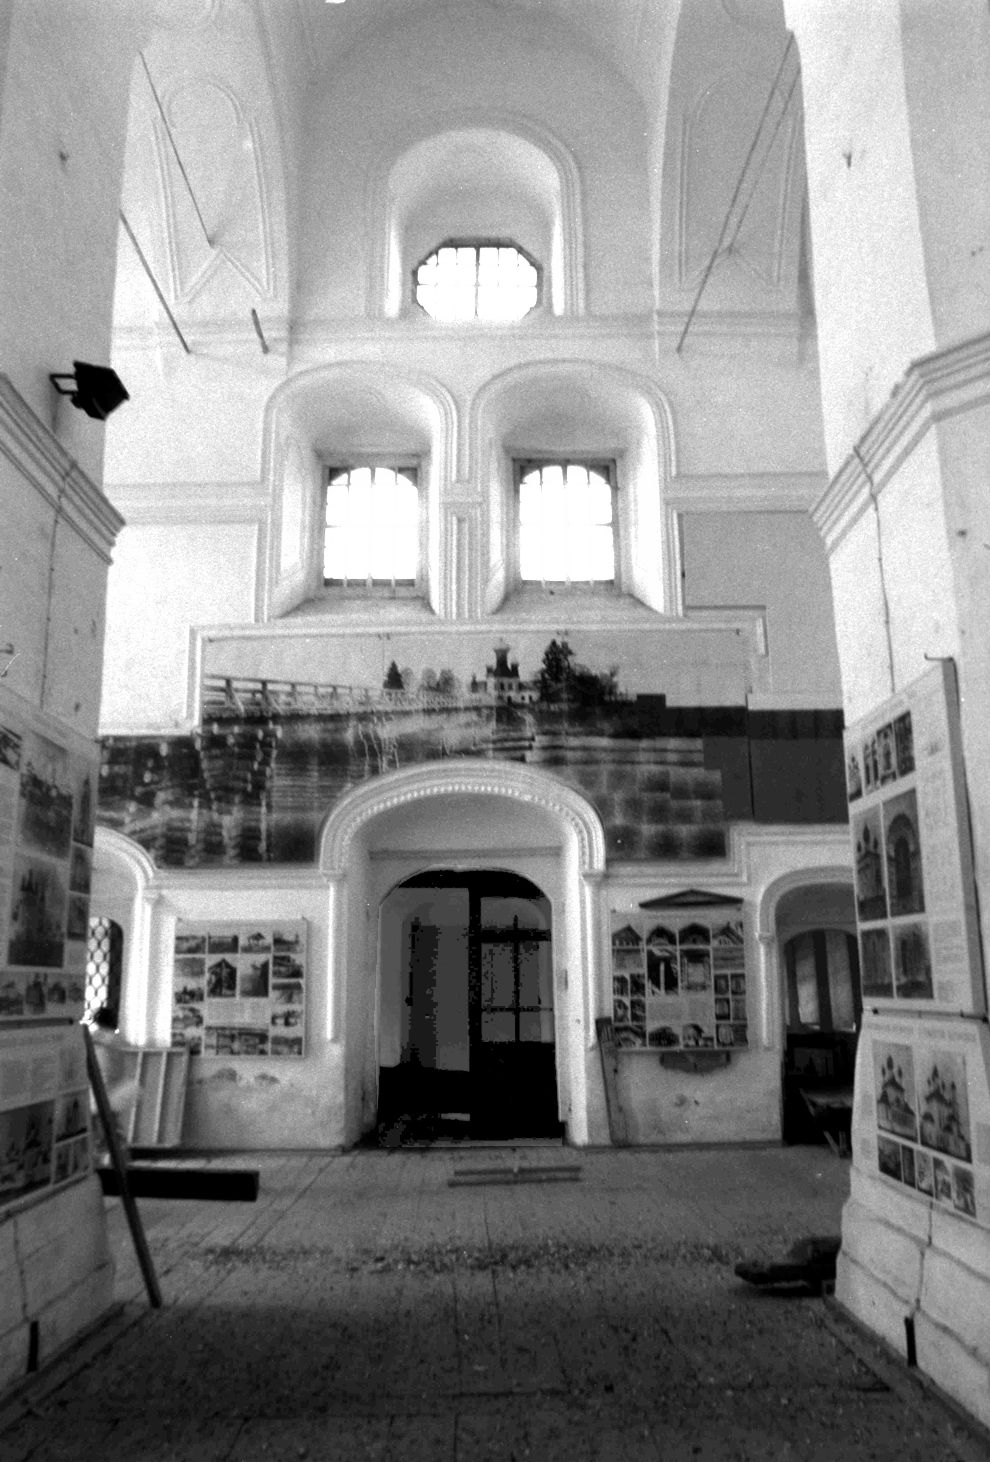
(485, 182)
(335, 415)
(579, 408)
(123, 876)
(466, 815)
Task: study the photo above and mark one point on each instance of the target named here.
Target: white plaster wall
(776, 560)
(164, 579)
(258, 1102)
(871, 287)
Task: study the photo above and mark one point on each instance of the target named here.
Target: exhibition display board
(47, 799)
(44, 1110)
(239, 989)
(915, 891)
(679, 974)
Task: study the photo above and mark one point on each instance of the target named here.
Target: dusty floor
(363, 1308)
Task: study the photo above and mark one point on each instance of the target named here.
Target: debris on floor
(810, 1262)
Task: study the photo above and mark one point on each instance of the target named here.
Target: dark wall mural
(271, 756)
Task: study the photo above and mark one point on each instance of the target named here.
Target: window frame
(606, 466)
(408, 465)
(476, 241)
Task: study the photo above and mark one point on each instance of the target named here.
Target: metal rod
(735, 194)
(260, 332)
(175, 149)
(147, 269)
(766, 158)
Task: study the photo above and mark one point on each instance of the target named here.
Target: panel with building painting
(47, 781)
(679, 977)
(915, 891)
(44, 1111)
(239, 989)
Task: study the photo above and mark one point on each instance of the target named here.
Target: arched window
(104, 966)
(566, 522)
(372, 533)
(477, 279)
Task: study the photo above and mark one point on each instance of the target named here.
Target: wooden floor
(365, 1308)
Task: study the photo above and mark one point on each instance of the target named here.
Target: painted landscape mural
(274, 753)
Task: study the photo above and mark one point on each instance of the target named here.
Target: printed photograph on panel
(256, 941)
(908, 1166)
(875, 964)
(38, 912)
(662, 1036)
(854, 777)
(912, 962)
(221, 980)
(943, 1104)
(942, 1176)
(696, 970)
(904, 745)
(45, 797)
(885, 751)
(254, 979)
(889, 1157)
(83, 805)
(871, 765)
(871, 899)
(893, 1070)
(190, 943)
(902, 849)
(964, 1191)
(10, 748)
(924, 1177)
(80, 870)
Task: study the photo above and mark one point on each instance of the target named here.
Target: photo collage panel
(678, 981)
(924, 1136)
(895, 952)
(239, 990)
(44, 1118)
(46, 840)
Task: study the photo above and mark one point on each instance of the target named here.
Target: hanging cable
(175, 149)
(766, 157)
(880, 566)
(735, 194)
(155, 285)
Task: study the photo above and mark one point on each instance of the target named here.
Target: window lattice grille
(104, 960)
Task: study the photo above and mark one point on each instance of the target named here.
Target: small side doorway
(824, 1009)
(476, 1054)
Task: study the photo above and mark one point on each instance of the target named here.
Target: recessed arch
(526, 162)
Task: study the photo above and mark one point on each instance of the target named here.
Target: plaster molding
(460, 777)
(289, 878)
(750, 492)
(112, 847)
(191, 502)
(934, 388)
(40, 459)
(835, 874)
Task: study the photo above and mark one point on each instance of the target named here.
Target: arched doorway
(468, 1048)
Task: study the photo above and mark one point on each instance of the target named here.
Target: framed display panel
(44, 1111)
(925, 1110)
(679, 975)
(239, 989)
(48, 782)
(912, 851)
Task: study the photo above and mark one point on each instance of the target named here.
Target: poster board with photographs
(239, 989)
(48, 782)
(44, 1111)
(679, 976)
(927, 1105)
(915, 890)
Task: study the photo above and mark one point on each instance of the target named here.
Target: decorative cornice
(461, 777)
(751, 492)
(40, 459)
(191, 502)
(933, 388)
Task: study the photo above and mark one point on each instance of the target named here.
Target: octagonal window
(477, 280)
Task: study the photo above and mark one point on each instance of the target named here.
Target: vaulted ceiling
(240, 81)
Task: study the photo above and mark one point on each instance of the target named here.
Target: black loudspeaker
(97, 389)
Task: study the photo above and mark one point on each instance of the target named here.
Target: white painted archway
(465, 815)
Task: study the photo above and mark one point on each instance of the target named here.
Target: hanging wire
(735, 193)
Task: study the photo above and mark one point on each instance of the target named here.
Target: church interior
(491, 634)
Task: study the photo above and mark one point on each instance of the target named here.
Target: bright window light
(477, 281)
(372, 527)
(566, 524)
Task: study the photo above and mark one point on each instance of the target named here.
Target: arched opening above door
(467, 1044)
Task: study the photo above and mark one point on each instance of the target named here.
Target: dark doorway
(477, 1055)
(823, 1015)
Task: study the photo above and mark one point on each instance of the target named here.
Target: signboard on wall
(44, 1111)
(924, 1085)
(915, 891)
(239, 989)
(679, 974)
(47, 803)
